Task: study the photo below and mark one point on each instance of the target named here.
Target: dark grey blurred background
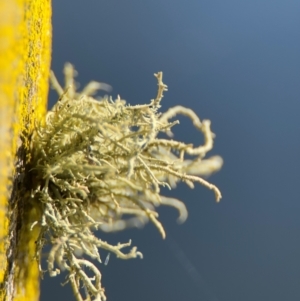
(236, 63)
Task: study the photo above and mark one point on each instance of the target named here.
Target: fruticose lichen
(99, 165)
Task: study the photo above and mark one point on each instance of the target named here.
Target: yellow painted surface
(25, 50)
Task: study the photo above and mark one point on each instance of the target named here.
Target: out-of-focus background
(236, 63)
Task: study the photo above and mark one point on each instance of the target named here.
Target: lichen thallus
(100, 165)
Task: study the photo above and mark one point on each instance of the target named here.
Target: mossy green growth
(99, 165)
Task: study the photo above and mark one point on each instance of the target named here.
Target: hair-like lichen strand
(100, 165)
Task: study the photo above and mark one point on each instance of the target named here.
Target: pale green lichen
(99, 165)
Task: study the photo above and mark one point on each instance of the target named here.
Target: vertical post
(25, 52)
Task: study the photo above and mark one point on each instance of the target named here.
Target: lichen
(100, 165)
